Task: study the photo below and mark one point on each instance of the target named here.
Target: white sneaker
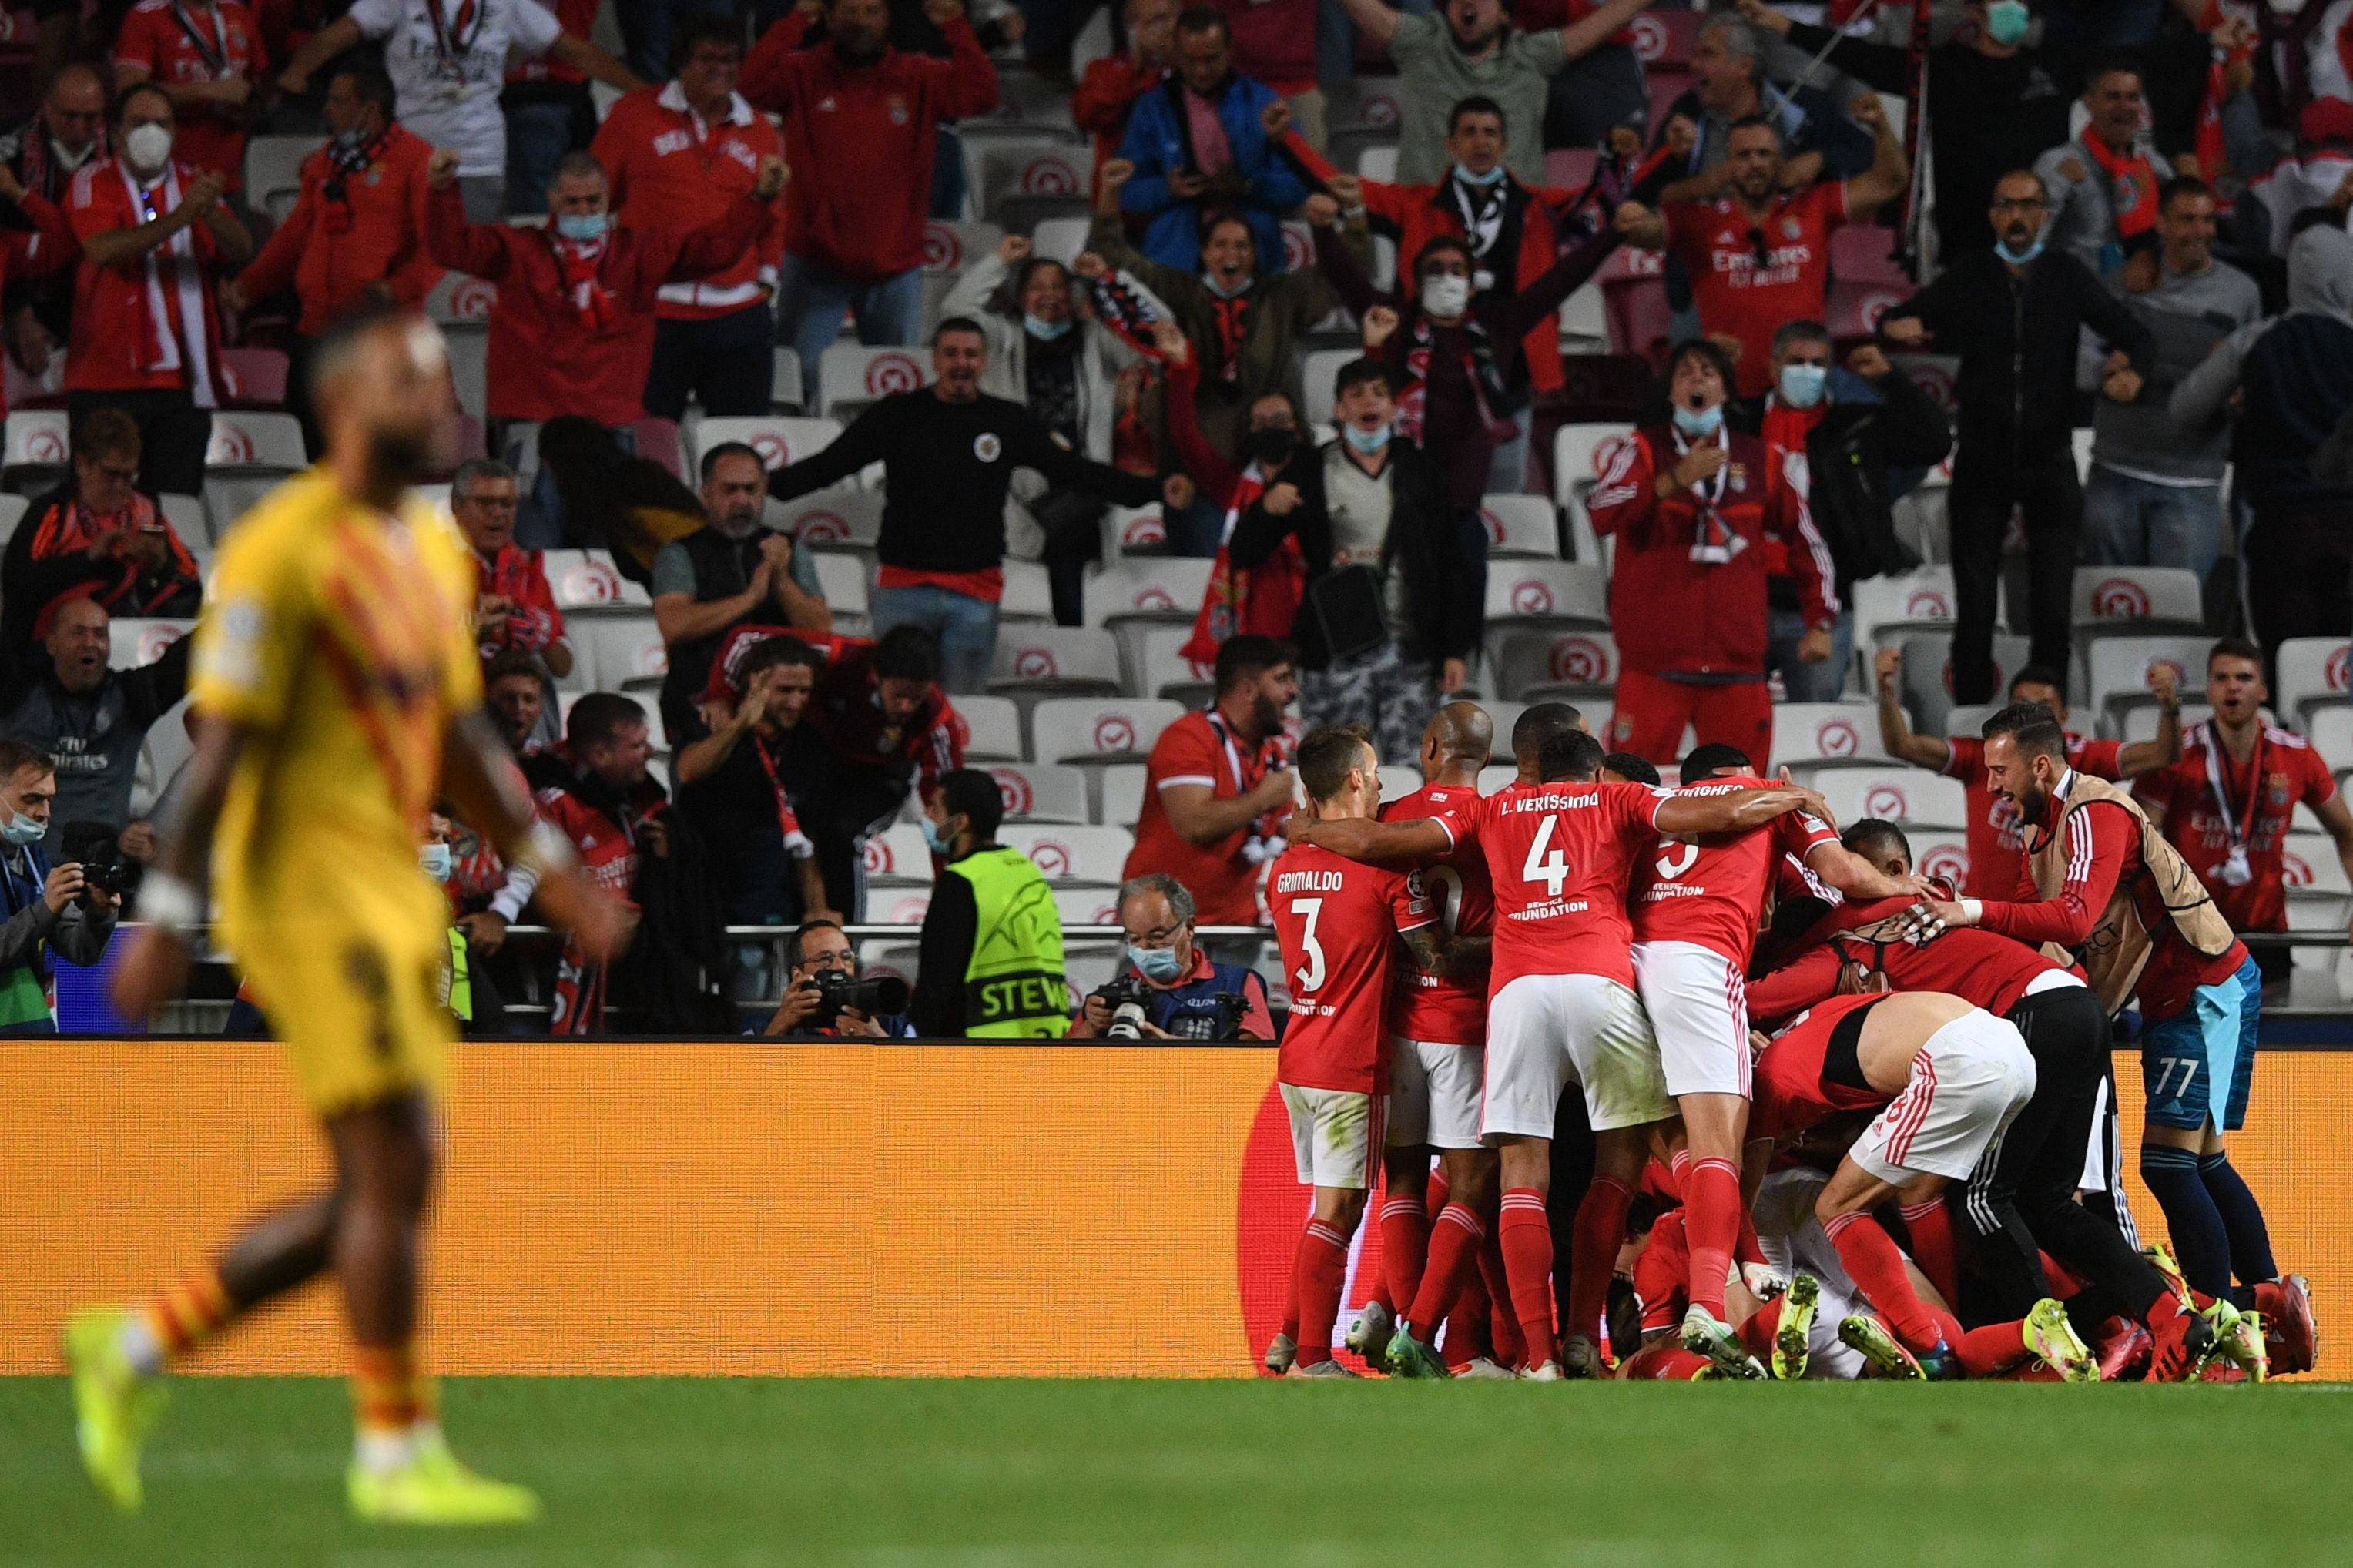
(1281, 1351)
(1368, 1336)
(1548, 1372)
(1480, 1369)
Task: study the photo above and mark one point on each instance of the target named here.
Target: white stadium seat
(1912, 796)
(34, 437)
(1092, 855)
(2309, 862)
(1969, 720)
(1135, 531)
(1923, 597)
(2149, 598)
(1041, 792)
(1495, 776)
(992, 729)
(842, 580)
(133, 640)
(1836, 734)
(1087, 906)
(1028, 595)
(1062, 239)
(1087, 729)
(897, 857)
(2139, 722)
(852, 376)
(1550, 593)
(778, 441)
(1122, 794)
(611, 652)
(2120, 666)
(1055, 659)
(1528, 659)
(1519, 526)
(784, 382)
(949, 248)
(1941, 854)
(274, 164)
(460, 300)
(586, 580)
(2330, 730)
(1575, 449)
(841, 516)
(11, 513)
(2311, 671)
(246, 438)
(1928, 675)
(1163, 670)
(469, 365)
(1166, 589)
(1319, 373)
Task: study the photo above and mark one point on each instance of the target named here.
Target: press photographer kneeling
(1170, 990)
(824, 995)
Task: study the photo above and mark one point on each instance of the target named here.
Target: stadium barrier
(750, 1208)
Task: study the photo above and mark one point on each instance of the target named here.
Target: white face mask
(148, 147)
(1444, 295)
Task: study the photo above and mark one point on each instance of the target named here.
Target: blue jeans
(648, 25)
(1808, 682)
(811, 301)
(2132, 522)
(966, 626)
(947, 176)
(538, 135)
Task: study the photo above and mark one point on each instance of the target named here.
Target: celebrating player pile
(1929, 1081)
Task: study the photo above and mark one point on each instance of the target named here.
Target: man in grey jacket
(48, 911)
(2155, 494)
(92, 720)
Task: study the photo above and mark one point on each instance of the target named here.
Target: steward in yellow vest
(991, 965)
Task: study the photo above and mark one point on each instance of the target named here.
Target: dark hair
(149, 85)
(2035, 674)
(1325, 755)
(907, 653)
(1703, 349)
(1875, 830)
(17, 755)
(1572, 755)
(1755, 123)
(706, 28)
(2110, 63)
(973, 795)
(1248, 657)
(2030, 728)
(1212, 216)
(1204, 19)
(581, 164)
(1799, 331)
(959, 324)
(770, 653)
(106, 433)
(2234, 647)
(1634, 769)
(1358, 373)
(1540, 723)
(371, 86)
(1008, 297)
(2181, 185)
(801, 935)
(510, 661)
(1703, 761)
(333, 349)
(1477, 103)
(726, 450)
(597, 717)
(1438, 244)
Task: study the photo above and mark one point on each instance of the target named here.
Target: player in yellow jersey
(337, 690)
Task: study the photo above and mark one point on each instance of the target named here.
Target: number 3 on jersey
(1310, 974)
(1551, 869)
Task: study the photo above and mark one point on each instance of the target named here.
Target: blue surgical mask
(1698, 421)
(347, 140)
(935, 841)
(1155, 963)
(1488, 178)
(1802, 385)
(437, 860)
(1367, 441)
(21, 829)
(584, 226)
(1048, 330)
(2018, 258)
(2005, 21)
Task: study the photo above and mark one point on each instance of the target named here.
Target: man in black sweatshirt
(948, 454)
(2012, 314)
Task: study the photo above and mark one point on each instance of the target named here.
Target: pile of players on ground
(1903, 1170)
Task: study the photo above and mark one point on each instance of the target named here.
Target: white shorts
(1698, 1004)
(1434, 1092)
(1546, 1031)
(1337, 1135)
(1969, 1084)
(1794, 1242)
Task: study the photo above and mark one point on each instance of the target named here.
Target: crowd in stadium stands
(866, 398)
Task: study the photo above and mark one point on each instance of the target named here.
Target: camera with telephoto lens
(876, 996)
(104, 866)
(1130, 1000)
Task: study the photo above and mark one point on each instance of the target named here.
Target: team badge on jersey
(985, 446)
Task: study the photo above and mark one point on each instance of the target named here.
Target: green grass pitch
(662, 1473)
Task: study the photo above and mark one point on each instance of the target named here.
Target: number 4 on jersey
(1551, 869)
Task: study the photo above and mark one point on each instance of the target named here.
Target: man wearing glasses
(2012, 314)
(44, 154)
(515, 608)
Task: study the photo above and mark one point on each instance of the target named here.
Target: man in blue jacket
(1199, 147)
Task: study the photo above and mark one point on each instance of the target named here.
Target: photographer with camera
(45, 911)
(1171, 989)
(824, 995)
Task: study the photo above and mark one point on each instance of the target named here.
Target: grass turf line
(665, 1473)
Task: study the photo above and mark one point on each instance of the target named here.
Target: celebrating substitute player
(337, 690)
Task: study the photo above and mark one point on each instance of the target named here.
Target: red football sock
(1989, 1351)
(1931, 1224)
(1454, 1242)
(1291, 1298)
(1318, 1270)
(1526, 1237)
(1746, 1248)
(1593, 1252)
(2064, 1281)
(1873, 1262)
(1467, 1335)
(1434, 1197)
(1758, 1333)
(1712, 1220)
(1495, 1284)
(1404, 1247)
(1660, 1273)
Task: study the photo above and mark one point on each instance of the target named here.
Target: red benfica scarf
(1261, 599)
(1785, 431)
(2132, 187)
(580, 261)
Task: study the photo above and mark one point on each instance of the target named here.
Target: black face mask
(1271, 447)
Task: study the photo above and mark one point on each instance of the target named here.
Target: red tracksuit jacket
(1675, 614)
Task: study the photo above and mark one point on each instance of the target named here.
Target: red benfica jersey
(1431, 1007)
(1790, 1093)
(179, 44)
(519, 576)
(1558, 859)
(1712, 894)
(1338, 920)
(1997, 847)
(1737, 293)
(1981, 968)
(2257, 807)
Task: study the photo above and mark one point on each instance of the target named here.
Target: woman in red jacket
(1690, 503)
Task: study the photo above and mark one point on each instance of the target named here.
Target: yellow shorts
(358, 1010)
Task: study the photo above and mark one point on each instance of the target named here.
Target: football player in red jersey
(1561, 1004)
(1696, 908)
(1995, 833)
(1338, 921)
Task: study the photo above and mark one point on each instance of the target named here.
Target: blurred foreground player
(337, 690)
